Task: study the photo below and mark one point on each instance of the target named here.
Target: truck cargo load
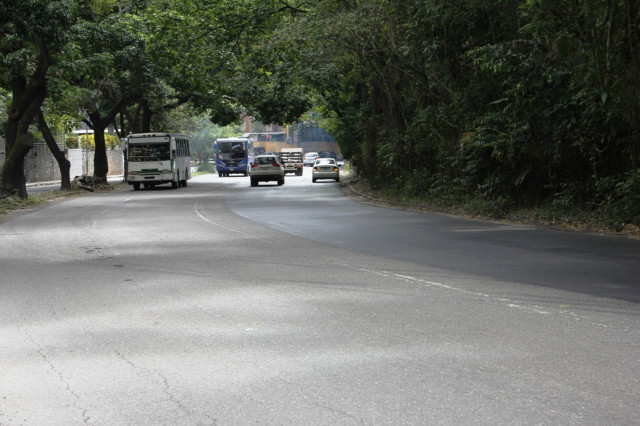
(292, 159)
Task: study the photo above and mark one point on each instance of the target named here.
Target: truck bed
(292, 161)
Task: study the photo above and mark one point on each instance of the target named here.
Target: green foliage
(625, 199)
(217, 56)
(87, 141)
(207, 168)
(509, 102)
(5, 101)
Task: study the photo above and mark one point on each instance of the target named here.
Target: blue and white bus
(155, 158)
(234, 155)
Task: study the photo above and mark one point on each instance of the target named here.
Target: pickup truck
(292, 160)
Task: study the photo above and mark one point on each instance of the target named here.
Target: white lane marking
(196, 210)
(561, 310)
(408, 278)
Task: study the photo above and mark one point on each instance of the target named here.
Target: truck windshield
(149, 152)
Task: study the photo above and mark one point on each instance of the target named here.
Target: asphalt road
(225, 304)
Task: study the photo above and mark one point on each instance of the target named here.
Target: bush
(206, 168)
(71, 141)
(626, 199)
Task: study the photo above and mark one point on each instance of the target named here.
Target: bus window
(149, 152)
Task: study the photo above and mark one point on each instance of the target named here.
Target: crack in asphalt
(146, 373)
(57, 373)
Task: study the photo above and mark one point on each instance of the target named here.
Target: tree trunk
(27, 97)
(100, 161)
(19, 141)
(146, 117)
(99, 124)
(63, 163)
(13, 181)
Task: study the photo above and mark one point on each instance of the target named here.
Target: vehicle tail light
(276, 165)
(254, 165)
(315, 169)
(335, 169)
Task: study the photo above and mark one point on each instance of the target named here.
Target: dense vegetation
(511, 102)
(519, 103)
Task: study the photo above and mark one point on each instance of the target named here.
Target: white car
(325, 168)
(310, 158)
(266, 168)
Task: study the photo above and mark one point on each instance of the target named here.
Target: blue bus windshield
(232, 150)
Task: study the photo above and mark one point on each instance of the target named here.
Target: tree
(500, 99)
(105, 49)
(31, 32)
(213, 55)
(203, 54)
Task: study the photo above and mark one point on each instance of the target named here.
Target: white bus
(156, 158)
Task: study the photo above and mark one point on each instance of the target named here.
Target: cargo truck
(292, 159)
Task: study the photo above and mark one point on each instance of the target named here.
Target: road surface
(225, 304)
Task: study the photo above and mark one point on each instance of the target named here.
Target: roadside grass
(10, 204)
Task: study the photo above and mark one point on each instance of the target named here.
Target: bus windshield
(231, 150)
(149, 152)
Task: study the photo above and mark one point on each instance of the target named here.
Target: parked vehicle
(309, 159)
(325, 168)
(155, 158)
(292, 160)
(266, 168)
